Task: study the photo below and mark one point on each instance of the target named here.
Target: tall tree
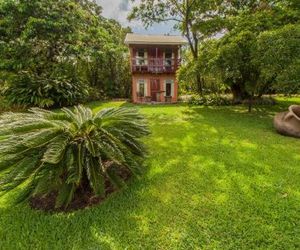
(233, 57)
(237, 57)
(280, 63)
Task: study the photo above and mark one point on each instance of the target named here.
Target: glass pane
(168, 62)
(168, 89)
(168, 55)
(141, 89)
(141, 62)
(141, 53)
(168, 58)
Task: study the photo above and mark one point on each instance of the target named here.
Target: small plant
(44, 152)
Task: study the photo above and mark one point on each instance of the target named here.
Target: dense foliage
(280, 63)
(26, 88)
(255, 51)
(63, 51)
(210, 100)
(238, 60)
(43, 151)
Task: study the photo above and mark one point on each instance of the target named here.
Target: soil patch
(83, 197)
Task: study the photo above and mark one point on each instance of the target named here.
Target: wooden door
(155, 89)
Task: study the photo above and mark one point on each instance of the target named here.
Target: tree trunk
(199, 84)
(239, 94)
(250, 103)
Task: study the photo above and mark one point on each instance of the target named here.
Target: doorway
(155, 90)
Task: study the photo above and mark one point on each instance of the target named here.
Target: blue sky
(119, 9)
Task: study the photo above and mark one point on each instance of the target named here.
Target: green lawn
(217, 178)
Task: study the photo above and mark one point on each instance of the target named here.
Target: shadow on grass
(217, 178)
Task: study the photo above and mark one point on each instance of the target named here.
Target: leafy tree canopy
(243, 58)
(64, 39)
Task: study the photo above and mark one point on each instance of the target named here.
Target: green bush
(263, 101)
(46, 152)
(217, 100)
(32, 90)
(6, 106)
(210, 100)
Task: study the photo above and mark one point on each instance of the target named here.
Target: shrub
(217, 100)
(29, 89)
(263, 101)
(46, 152)
(6, 106)
(210, 100)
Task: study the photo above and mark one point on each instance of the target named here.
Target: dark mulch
(83, 197)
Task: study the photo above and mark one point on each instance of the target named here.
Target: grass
(217, 178)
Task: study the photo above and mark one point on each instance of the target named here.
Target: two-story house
(154, 62)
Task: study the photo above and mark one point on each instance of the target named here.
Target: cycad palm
(45, 151)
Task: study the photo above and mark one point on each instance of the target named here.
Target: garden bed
(83, 197)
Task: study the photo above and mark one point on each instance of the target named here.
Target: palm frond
(65, 195)
(47, 151)
(114, 178)
(40, 138)
(94, 168)
(55, 150)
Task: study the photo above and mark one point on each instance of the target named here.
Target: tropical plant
(29, 89)
(65, 152)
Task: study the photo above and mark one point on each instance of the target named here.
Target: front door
(155, 90)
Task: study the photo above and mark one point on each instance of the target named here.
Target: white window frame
(140, 59)
(142, 81)
(172, 58)
(169, 81)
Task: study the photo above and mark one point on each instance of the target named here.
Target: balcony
(155, 65)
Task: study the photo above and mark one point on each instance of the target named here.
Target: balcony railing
(155, 65)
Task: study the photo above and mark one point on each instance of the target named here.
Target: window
(168, 57)
(141, 53)
(169, 88)
(141, 57)
(141, 88)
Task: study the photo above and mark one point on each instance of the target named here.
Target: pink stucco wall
(147, 78)
(154, 51)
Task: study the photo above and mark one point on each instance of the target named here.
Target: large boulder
(288, 123)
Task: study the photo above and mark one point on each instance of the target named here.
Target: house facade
(154, 61)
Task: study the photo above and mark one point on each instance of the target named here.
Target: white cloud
(119, 10)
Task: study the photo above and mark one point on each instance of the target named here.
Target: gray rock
(288, 123)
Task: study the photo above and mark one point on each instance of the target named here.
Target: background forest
(57, 53)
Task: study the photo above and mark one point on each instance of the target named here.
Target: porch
(149, 89)
(160, 99)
